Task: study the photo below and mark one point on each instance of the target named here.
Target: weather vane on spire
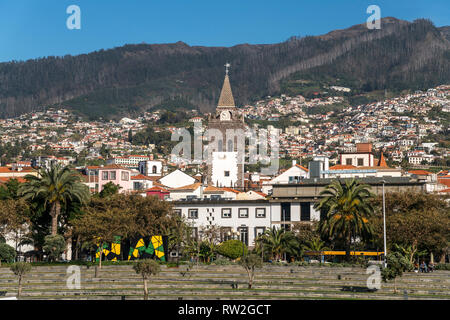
(227, 66)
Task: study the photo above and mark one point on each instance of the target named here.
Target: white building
(128, 161)
(224, 169)
(249, 217)
(177, 179)
(150, 168)
(291, 175)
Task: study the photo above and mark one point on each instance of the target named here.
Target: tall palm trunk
(348, 247)
(55, 212)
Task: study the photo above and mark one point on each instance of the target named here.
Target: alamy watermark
(374, 280)
(374, 22)
(73, 282)
(251, 146)
(74, 20)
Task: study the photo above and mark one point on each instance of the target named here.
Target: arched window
(230, 145)
(154, 169)
(220, 145)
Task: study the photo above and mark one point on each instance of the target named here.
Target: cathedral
(226, 148)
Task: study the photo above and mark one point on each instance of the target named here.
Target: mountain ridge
(135, 77)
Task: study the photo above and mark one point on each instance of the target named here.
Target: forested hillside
(132, 78)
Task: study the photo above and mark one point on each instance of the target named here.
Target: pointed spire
(382, 161)
(226, 96)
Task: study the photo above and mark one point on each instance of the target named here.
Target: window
(259, 231)
(230, 145)
(226, 212)
(323, 214)
(154, 169)
(125, 176)
(348, 162)
(260, 212)
(193, 214)
(305, 211)
(286, 211)
(226, 173)
(104, 175)
(112, 175)
(194, 233)
(225, 234)
(243, 232)
(243, 212)
(360, 161)
(137, 186)
(220, 145)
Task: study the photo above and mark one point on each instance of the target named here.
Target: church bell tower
(226, 138)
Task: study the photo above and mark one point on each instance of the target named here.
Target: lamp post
(384, 225)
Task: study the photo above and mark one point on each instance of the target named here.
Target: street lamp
(384, 225)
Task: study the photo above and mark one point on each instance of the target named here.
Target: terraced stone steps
(214, 282)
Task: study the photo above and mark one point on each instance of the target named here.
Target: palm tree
(56, 186)
(278, 241)
(348, 208)
(316, 246)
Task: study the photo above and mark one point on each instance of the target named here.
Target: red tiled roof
(420, 172)
(156, 188)
(113, 166)
(6, 179)
(382, 161)
(301, 167)
(230, 190)
(444, 182)
(342, 167)
(193, 186)
(141, 177)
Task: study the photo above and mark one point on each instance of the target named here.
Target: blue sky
(37, 28)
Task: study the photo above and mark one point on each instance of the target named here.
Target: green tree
(56, 186)
(232, 249)
(315, 246)
(278, 241)
(396, 265)
(146, 268)
(14, 218)
(109, 189)
(250, 263)
(54, 246)
(9, 189)
(7, 253)
(348, 208)
(179, 234)
(20, 269)
(417, 220)
(101, 224)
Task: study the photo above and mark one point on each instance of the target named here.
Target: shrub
(54, 246)
(7, 253)
(396, 265)
(232, 249)
(222, 262)
(443, 266)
